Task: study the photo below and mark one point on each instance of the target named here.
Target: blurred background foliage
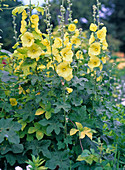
(112, 14)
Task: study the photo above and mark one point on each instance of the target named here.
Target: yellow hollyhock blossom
(37, 30)
(99, 78)
(69, 90)
(101, 67)
(58, 58)
(72, 27)
(64, 70)
(76, 33)
(103, 60)
(23, 28)
(66, 39)
(69, 46)
(13, 102)
(79, 54)
(34, 19)
(76, 41)
(27, 39)
(34, 51)
(67, 54)
(75, 21)
(58, 42)
(24, 15)
(55, 51)
(101, 34)
(94, 49)
(104, 45)
(94, 62)
(93, 27)
(48, 50)
(92, 38)
(45, 42)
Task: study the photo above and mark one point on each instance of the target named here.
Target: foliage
(56, 100)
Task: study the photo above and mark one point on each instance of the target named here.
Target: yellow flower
(48, 50)
(105, 45)
(34, 19)
(93, 27)
(76, 33)
(94, 62)
(72, 27)
(79, 54)
(13, 102)
(58, 58)
(69, 90)
(27, 39)
(23, 28)
(101, 67)
(45, 42)
(92, 38)
(64, 70)
(66, 39)
(75, 21)
(34, 51)
(103, 60)
(69, 46)
(67, 54)
(101, 34)
(58, 42)
(94, 49)
(99, 78)
(55, 51)
(76, 41)
(24, 15)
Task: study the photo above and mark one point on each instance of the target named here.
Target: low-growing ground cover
(57, 108)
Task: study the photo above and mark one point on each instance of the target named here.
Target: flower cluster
(55, 52)
(98, 46)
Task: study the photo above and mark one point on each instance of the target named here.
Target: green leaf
(31, 130)
(79, 126)
(61, 145)
(48, 115)
(40, 9)
(11, 159)
(8, 130)
(39, 134)
(22, 50)
(54, 126)
(73, 131)
(17, 148)
(39, 146)
(39, 112)
(60, 158)
(18, 10)
(36, 35)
